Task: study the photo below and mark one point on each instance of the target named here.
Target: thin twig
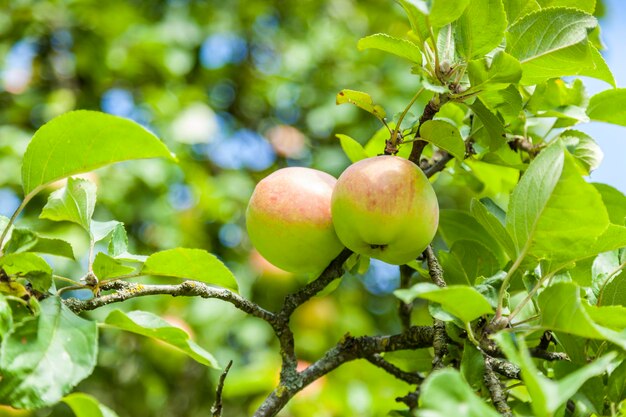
(410, 377)
(216, 409)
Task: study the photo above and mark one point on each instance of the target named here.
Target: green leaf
(614, 201)
(58, 247)
(519, 8)
(557, 94)
(480, 28)
(588, 6)
(119, 241)
(455, 225)
(562, 310)
(494, 74)
(400, 47)
(193, 264)
(614, 292)
(416, 12)
(84, 405)
(507, 103)
(442, 12)
(361, 100)
(491, 123)
(617, 384)
(551, 43)
(30, 266)
(81, 141)
(105, 267)
(445, 394)
(102, 230)
(586, 151)
(610, 317)
(73, 203)
(445, 45)
(353, 149)
(147, 324)
(493, 226)
(6, 317)
(548, 395)
(22, 240)
(600, 70)
(605, 267)
(44, 358)
(554, 214)
(460, 300)
(477, 259)
(609, 106)
(25, 240)
(472, 366)
(445, 136)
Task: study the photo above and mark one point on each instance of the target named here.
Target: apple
(289, 221)
(384, 207)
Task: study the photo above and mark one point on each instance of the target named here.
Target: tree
(519, 296)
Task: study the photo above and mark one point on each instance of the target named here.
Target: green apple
(289, 221)
(385, 208)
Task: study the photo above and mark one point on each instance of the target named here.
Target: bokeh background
(236, 89)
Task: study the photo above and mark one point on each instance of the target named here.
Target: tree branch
(349, 348)
(288, 373)
(439, 165)
(127, 290)
(333, 271)
(498, 395)
(504, 367)
(409, 377)
(440, 342)
(431, 109)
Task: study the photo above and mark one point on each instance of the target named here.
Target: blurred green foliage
(236, 89)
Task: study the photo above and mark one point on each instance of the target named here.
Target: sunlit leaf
(586, 151)
(361, 100)
(480, 28)
(614, 201)
(105, 267)
(353, 149)
(554, 213)
(551, 43)
(444, 136)
(493, 74)
(609, 106)
(147, 324)
(462, 301)
(74, 203)
(84, 405)
(401, 47)
(193, 264)
(82, 141)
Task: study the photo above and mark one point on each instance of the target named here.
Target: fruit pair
(383, 207)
